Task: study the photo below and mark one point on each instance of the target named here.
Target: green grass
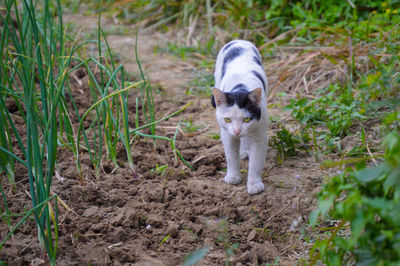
(29, 54)
(36, 60)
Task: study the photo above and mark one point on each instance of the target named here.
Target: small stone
(252, 236)
(97, 228)
(207, 170)
(91, 211)
(131, 219)
(155, 195)
(262, 252)
(173, 230)
(209, 242)
(155, 220)
(187, 237)
(117, 219)
(197, 186)
(213, 211)
(197, 228)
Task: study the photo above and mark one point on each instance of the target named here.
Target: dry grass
(299, 69)
(302, 69)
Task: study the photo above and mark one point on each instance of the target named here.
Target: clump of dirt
(165, 214)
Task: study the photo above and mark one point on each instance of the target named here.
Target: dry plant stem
(278, 212)
(279, 37)
(372, 156)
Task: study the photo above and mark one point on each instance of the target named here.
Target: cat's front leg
(244, 148)
(258, 152)
(231, 146)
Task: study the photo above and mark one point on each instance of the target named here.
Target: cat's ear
(255, 96)
(219, 97)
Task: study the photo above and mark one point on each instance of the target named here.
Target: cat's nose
(236, 131)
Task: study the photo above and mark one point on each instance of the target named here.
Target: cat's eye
(247, 119)
(227, 120)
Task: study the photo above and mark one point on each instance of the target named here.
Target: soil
(162, 216)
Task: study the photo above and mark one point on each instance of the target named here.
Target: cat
(239, 97)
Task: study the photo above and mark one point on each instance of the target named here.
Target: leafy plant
(335, 108)
(189, 125)
(159, 170)
(368, 199)
(288, 144)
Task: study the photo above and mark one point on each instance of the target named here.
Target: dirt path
(164, 215)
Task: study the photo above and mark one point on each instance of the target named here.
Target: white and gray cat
(239, 97)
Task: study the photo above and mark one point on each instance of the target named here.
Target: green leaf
(393, 180)
(372, 78)
(357, 224)
(314, 216)
(195, 256)
(371, 174)
(325, 204)
(164, 239)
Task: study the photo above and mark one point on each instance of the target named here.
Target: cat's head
(239, 111)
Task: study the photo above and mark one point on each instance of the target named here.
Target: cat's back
(239, 60)
(238, 47)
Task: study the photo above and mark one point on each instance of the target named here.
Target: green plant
(181, 51)
(163, 241)
(159, 170)
(288, 144)
(34, 53)
(224, 237)
(110, 122)
(202, 83)
(216, 136)
(190, 126)
(334, 111)
(109, 92)
(368, 198)
(334, 107)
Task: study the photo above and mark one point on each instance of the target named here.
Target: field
(132, 162)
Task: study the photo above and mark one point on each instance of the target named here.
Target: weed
(163, 241)
(189, 125)
(201, 84)
(215, 136)
(287, 143)
(159, 170)
(369, 198)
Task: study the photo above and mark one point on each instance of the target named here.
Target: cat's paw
(232, 179)
(255, 188)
